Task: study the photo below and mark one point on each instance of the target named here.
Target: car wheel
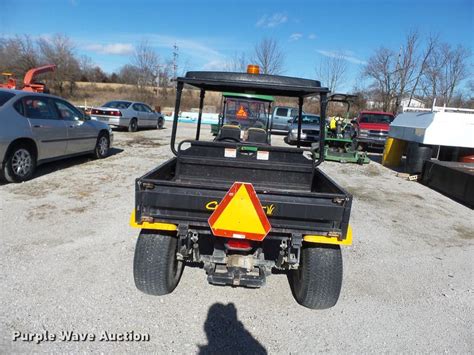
(102, 146)
(156, 269)
(20, 164)
(161, 123)
(316, 284)
(133, 125)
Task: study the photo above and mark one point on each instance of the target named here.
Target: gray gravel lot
(66, 265)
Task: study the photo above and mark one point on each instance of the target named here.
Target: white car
(37, 128)
(128, 114)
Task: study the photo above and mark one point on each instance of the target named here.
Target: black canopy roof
(261, 84)
(342, 97)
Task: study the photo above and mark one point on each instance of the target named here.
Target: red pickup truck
(372, 128)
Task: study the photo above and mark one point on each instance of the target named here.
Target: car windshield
(308, 119)
(246, 113)
(5, 96)
(376, 118)
(117, 104)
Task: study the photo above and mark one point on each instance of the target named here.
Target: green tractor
(341, 142)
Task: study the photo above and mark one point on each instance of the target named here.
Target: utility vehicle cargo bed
(296, 197)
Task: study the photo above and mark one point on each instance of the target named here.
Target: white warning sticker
(230, 153)
(263, 155)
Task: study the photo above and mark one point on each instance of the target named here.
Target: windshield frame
(263, 112)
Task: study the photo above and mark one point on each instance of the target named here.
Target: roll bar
(256, 84)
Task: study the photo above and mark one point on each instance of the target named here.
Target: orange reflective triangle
(242, 113)
(240, 215)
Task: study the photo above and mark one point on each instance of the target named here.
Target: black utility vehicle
(243, 210)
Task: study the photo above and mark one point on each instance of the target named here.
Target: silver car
(128, 114)
(37, 128)
(309, 129)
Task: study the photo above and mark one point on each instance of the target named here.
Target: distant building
(413, 102)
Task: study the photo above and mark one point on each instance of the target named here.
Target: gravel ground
(66, 265)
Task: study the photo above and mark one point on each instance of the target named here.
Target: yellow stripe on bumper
(156, 225)
(323, 239)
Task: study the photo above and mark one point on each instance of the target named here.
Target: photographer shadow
(226, 334)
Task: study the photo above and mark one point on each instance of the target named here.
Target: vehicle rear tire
(156, 269)
(133, 125)
(20, 164)
(102, 146)
(161, 123)
(317, 282)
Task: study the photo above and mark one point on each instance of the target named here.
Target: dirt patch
(365, 194)
(35, 190)
(464, 232)
(41, 211)
(372, 170)
(77, 210)
(138, 142)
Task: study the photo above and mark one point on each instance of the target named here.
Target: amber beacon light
(253, 69)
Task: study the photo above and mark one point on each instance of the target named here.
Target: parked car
(372, 128)
(309, 129)
(280, 117)
(128, 114)
(37, 128)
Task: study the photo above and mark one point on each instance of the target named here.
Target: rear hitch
(294, 251)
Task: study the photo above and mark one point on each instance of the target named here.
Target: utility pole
(175, 61)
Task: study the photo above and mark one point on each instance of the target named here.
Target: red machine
(28, 83)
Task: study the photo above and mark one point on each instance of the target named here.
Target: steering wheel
(228, 139)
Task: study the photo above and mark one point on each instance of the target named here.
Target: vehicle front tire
(133, 125)
(20, 164)
(316, 284)
(161, 123)
(102, 146)
(156, 269)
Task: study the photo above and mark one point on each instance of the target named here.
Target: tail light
(239, 244)
(94, 111)
(116, 113)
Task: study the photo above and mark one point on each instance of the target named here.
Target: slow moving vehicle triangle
(240, 215)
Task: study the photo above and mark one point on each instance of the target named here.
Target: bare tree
(147, 61)
(407, 64)
(86, 66)
(381, 69)
(332, 71)
(18, 54)
(455, 69)
(429, 49)
(446, 68)
(59, 50)
(268, 55)
(129, 74)
(237, 63)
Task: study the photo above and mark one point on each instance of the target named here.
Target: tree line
(20, 53)
(423, 68)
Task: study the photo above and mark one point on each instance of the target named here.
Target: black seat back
(229, 131)
(257, 135)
